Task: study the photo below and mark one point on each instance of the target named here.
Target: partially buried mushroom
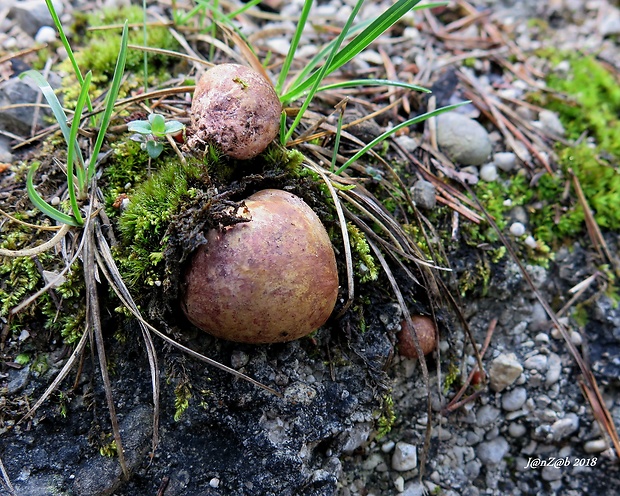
(268, 280)
(235, 109)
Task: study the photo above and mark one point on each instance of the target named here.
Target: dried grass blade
(94, 318)
(345, 236)
(416, 342)
(591, 225)
(6, 480)
(43, 247)
(60, 376)
(106, 263)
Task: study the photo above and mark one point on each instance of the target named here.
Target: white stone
(537, 362)
(595, 446)
(563, 428)
(405, 457)
(504, 370)
(517, 229)
(513, 400)
(488, 172)
(554, 369)
(505, 161)
(531, 242)
(492, 452)
(462, 139)
(399, 484)
(551, 122)
(408, 143)
(45, 34)
(516, 430)
(215, 482)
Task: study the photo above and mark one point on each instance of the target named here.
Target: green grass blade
(65, 43)
(389, 132)
(54, 103)
(75, 126)
(241, 10)
(322, 72)
(292, 91)
(373, 82)
(286, 65)
(42, 205)
(363, 40)
(110, 101)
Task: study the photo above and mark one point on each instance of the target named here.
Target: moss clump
(144, 223)
(593, 108)
(365, 267)
(101, 47)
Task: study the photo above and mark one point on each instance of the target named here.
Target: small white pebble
(55, 201)
(517, 229)
(530, 241)
(541, 338)
(387, 447)
(399, 484)
(595, 446)
(508, 203)
(45, 34)
(576, 338)
(488, 172)
(215, 482)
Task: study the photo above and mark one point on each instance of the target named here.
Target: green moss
(365, 267)
(182, 395)
(387, 418)
(102, 46)
(144, 223)
(593, 108)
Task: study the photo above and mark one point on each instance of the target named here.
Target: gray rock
(488, 172)
(551, 473)
(505, 161)
(31, 15)
(18, 380)
(357, 436)
(6, 157)
(462, 139)
(516, 430)
(405, 457)
(18, 120)
(537, 362)
(486, 416)
(595, 446)
(423, 193)
(492, 452)
(551, 122)
(554, 369)
(504, 371)
(408, 143)
(101, 475)
(565, 427)
(513, 400)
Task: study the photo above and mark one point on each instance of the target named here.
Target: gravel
(463, 139)
(321, 439)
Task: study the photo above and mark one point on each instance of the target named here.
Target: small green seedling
(148, 133)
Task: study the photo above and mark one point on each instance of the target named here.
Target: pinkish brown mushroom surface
(271, 279)
(235, 109)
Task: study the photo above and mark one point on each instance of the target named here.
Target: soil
(350, 413)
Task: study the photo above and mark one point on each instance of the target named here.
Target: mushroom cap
(269, 280)
(236, 109)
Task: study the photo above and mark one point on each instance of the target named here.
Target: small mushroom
(425, 331)
(236, 109)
